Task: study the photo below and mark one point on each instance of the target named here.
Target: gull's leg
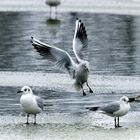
(118, 122)
(90, 90)
(115, 122)
(27, 119)
(56, 12)
(50, 12)
(35, 119)
(84, 94)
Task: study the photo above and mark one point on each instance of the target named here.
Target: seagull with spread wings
(78, 70)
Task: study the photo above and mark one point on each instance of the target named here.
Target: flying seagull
(115, 109)
(78, 70)
(30, 103)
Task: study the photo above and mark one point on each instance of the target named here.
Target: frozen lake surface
(65, 116)
(69, 127)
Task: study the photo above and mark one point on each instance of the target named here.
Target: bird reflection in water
(53, 25)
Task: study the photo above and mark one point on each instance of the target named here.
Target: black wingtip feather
(81, 33)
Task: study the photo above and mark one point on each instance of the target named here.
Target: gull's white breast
(81, 74)
(29, 104)
(124, 108)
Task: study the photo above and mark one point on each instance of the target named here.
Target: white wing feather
(61, 58)
(80, 40)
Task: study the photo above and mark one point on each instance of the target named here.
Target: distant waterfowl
(115, 109)
(53, 3)
(77, 70)
(30, 103)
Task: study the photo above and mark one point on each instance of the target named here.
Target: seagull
(30, 103)
(115, 109)
(78, 70)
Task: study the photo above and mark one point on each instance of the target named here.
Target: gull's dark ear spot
(31, 87)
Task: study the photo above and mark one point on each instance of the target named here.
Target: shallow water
(116, 36)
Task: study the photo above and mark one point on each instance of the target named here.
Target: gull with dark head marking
(115, 109)
(30, 103)
(78, 70)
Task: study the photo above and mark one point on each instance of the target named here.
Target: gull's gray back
(111, 108)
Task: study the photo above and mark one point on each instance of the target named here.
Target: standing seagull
(79, 70)
(30, 103)
(115, 109)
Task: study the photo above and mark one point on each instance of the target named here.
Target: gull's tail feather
(92, 108)
(77, 86)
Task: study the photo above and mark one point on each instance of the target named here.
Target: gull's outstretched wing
(59, 56)
(80, 40)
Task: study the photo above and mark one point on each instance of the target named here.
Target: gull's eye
(124, 100)
(28, 89)
(25, 89)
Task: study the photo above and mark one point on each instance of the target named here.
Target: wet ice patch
(100, 84)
